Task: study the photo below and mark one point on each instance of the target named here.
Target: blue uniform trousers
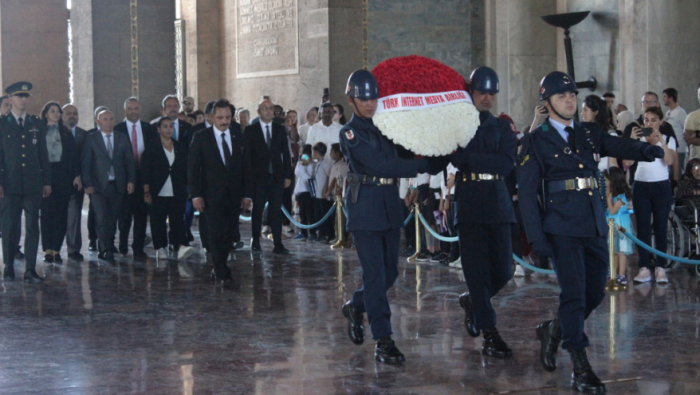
(581, 264)
(487, 259)
(379, 256)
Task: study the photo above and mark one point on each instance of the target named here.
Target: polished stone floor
(166, 328)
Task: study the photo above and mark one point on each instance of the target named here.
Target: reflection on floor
(166, 328)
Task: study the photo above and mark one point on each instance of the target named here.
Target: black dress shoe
(223, 278)
(549, 333)
(19, 254)
(57, 259)
(280, 250)
(255, 246)
(583, 379)
(106, 256)
(494, 346)
(356, 330)
(124, 251)
(466, 302)
(190, 236)
(9, 273)
(386, 351)
(48, 258)
(140, 255)
(76, 256)
(238, 245)
(92, 246)
(31, 277)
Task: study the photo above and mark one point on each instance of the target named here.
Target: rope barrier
(654, 251)
(454, 239)
(408, 219)
(302, 226)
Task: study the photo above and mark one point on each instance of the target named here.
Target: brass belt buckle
(486, 177)
(583, 183)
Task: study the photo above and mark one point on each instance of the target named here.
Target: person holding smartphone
(652, 194)
(304, 171)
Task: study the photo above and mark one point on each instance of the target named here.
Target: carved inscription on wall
(267, 38)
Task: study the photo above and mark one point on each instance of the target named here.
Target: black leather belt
(574, 184)
(376, 181)
(482, 177)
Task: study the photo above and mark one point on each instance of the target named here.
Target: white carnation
(432, 131)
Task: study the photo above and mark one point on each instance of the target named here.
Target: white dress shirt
(560, 128)
(219, 142)
(105, 139)
(676, 118)
(167, 190)
(139, 137)
(23, 117)
(320, 133)
(264, 125)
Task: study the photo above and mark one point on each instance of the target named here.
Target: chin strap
(557, 112)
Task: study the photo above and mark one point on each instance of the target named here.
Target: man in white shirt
(140, 134)
(675, 116)
(311, 119)
(326, 131)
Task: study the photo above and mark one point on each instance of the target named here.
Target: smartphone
(646, 132)
(326, 92)
(542, 110)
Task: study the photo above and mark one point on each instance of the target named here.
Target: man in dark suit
(171, 109)
(74, 237)
(272, 172)
(25, 176)
(92, 232)
(189, 208)
(140, 135)
(108, 174)
(220, 182)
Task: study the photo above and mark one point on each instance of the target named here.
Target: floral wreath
(424, 106)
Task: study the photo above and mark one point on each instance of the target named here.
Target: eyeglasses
(278, 112)
(649, 102)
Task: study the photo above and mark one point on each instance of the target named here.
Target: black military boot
(583, 379)
(356, 330)
(494, 346)
(9, 272)
(549, 333)
(386, 351)
(466, 302)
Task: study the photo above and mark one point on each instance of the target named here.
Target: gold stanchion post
(416, 214)
(612, 285)
(339, 223)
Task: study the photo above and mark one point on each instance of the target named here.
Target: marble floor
(166, 328)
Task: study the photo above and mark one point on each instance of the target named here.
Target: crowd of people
(162, 172)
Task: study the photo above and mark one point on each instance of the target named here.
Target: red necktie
(135, 144)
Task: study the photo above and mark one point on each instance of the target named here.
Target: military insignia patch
(349, 134)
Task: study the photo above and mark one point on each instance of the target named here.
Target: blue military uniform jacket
(24, 159)
(491, 151)
(369, 152)
(545, 157)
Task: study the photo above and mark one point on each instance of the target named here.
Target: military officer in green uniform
(25, 177)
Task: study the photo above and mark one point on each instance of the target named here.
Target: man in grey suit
(74, 237)
(108, 174)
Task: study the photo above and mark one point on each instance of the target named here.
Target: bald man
(108, 175)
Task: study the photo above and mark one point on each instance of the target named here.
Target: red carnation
(416, 74)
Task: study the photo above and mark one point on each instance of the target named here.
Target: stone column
(122, 49)
(203, 57)
(34, 48)
(522, 49)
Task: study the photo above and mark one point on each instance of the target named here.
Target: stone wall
(103, 55)
(33, 43)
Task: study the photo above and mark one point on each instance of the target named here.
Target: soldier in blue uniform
(558, 165)
(485, 213)
(374, 216)
(25, 177)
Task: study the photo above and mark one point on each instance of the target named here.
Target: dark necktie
(227, 150)
(571, 137)
(21, 123)
(269, 144)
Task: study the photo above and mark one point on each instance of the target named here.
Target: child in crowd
(336, 179)
(322, 169)
(304, 172)
(618, 196)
